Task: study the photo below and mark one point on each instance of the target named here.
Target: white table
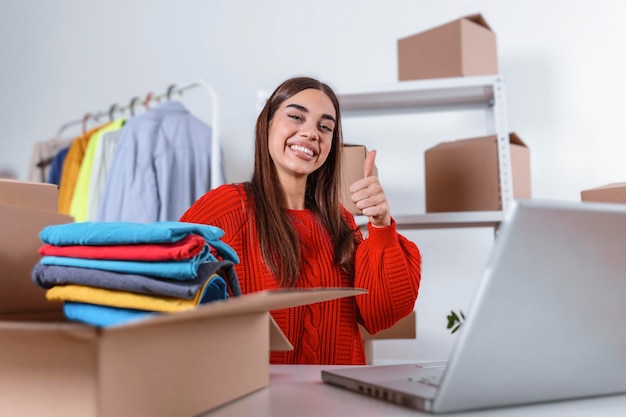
(298, 391)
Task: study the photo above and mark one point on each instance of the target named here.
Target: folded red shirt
(185, 248)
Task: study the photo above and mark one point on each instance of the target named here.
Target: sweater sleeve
(388, 265)
(223, 207)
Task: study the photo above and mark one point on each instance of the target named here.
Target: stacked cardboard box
(463, 47)
(610, 193)
(463, 175)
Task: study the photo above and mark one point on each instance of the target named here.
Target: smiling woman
(300, 139)
(290, 230)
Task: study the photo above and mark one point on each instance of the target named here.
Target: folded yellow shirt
(123, 299)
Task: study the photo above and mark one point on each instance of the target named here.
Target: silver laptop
(546, 323)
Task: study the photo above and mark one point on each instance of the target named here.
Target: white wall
(562, 62)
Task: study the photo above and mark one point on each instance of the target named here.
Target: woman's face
(301, 133)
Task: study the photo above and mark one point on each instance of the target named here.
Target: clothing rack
(173, 89)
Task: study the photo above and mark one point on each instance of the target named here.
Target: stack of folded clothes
(109, 273)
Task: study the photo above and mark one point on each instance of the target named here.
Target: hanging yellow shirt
(78, 205)
(71, 166)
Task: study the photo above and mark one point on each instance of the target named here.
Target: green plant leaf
(453, 319)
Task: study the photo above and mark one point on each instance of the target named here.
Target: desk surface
(297, 390)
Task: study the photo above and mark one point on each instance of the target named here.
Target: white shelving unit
(485, 93)
(437, 95)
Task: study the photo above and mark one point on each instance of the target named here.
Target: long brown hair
(278, 239)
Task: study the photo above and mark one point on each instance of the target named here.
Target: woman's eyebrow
(305, 110)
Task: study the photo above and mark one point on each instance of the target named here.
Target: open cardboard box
(25, 209)
(179, 364)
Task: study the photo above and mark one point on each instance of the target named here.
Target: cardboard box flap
(478, 19)
(69, 329)
(515, 140)
(249, 303)
(278, 340)
(32, 195)
(19, 243)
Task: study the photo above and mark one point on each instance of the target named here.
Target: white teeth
(302, 149)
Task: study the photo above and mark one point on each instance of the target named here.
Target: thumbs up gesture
(368, 195)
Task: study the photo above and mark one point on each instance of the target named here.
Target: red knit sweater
(386, 264)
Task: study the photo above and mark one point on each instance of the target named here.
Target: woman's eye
(326, 128)
(295, 117)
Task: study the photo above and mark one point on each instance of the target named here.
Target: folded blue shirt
(117, 233)
(223, 249)
(102, 316)
(181, 270)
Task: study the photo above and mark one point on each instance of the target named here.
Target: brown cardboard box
(351, 171)
(32, 195)
(403, 329)
(463, 47)
(462, 175)
(25, 209)
(179, 364)
(610, 193)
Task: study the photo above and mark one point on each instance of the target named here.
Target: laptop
(546, 322)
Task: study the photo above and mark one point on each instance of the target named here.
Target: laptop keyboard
(430, 380)
(429, 374)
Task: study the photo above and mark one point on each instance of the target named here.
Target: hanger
(131, 106)
(146, 101)
(169, 92)
(112, 111)
(85, 118)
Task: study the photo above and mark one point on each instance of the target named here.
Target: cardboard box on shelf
(406, 328)
(463, 175)
(178, 364)
(610, 193)
(351, 171)
(463, 47)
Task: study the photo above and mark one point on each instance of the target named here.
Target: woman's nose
(308, 131)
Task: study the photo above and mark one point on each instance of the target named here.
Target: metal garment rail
(216, 154)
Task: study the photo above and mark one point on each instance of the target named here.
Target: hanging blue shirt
(161, 166)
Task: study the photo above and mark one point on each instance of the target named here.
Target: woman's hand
(369, 197)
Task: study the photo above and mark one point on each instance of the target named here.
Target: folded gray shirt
(47, 276)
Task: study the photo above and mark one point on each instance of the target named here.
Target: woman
(290, 230)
